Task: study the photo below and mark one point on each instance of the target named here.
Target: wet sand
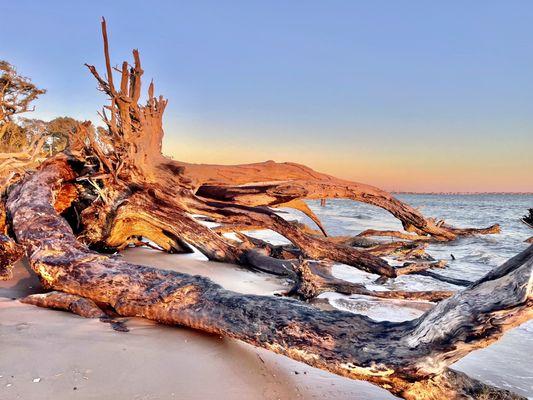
(48, 354)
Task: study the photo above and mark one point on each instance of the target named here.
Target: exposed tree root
(399, 250)
(302, 206)
(409, 359)
(253, 185)
(78, 305)
(311, 246)
(425, 238)
(312, 278)
(68, 302)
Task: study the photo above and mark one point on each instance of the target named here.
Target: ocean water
(507, 363)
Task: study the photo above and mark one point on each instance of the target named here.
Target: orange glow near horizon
(395, 167)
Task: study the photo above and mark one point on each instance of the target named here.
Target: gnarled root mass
(410, 359)
(113, 188)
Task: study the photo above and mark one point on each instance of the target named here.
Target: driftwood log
(113, 188)
(410, 359)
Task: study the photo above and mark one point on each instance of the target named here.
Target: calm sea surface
(507, 363)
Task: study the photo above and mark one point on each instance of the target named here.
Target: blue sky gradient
(407, 95)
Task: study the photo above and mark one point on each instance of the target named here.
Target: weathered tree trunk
(313, 278)
(253, 185)
(410, 359)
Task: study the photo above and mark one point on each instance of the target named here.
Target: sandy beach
(54, 354)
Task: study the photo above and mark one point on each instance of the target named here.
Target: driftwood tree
(113, 187)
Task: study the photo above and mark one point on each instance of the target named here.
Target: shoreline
(73, 357)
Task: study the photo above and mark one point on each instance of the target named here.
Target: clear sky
(406, 95)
